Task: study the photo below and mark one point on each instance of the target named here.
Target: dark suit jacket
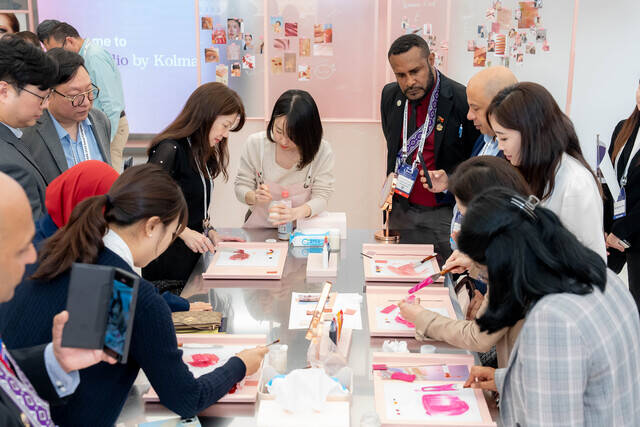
(449, 148)
(627, 227)
(31, 362)
(44, 144)
(17, 162)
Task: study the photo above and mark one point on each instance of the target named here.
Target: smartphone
(101, 303)
(120, 315)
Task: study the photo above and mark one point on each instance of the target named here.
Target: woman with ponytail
(87, 179)
(131, 225)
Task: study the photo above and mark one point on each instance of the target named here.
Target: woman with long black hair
(576, 358)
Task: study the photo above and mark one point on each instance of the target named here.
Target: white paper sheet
(224, 353)
(388, 322)
(257, 258)
(335, 414)
(404, 401)
(401, 267)
(299, 319)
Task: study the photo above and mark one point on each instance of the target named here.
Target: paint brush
(275, 342)
(423, 260)
(429, 280)
(365, 255)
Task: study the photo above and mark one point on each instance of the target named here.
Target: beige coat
(466, 333)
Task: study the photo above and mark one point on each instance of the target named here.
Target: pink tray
(383, 296)
(409, 359)
(386, 252)
(247, 272)
(249, 392)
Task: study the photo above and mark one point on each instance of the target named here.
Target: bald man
(481, 90)
(51, 369)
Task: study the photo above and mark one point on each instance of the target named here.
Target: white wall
(607, 68)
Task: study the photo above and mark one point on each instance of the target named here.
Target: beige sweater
(466, 333)
(260, 154)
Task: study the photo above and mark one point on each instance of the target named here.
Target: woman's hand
(281, 214)
(614, 242)
(74, 359)
(410, 311)
(458, 262)
(482, 377)
(252, 358)
(262, 194)
(197, 242)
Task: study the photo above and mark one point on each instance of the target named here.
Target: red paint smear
(444, 404)
(404, 322)
(381, 261)
(240, 255)
(203, 360)
(404, 270)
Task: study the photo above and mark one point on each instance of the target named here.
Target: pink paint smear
(444, 404)
(404, 270)
(404, 321)
(203, 360)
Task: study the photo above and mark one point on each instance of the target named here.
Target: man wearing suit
(33, 378)
(434, 109)
(70, 131)
(26, 76)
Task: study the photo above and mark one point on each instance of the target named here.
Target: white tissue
(304, 390)
(395, 346)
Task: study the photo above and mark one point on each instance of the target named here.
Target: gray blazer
(17, 162)
(44, 144)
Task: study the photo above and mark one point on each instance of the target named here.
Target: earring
(150, 235)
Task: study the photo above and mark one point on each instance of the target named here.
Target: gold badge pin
(439, 127)
(398, 103)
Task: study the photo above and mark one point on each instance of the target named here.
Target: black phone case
(88, 303)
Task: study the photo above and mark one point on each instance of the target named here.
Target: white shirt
(577, 202)
(115, 244)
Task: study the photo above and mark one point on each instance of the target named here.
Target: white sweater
(577, 202)
(251, 162)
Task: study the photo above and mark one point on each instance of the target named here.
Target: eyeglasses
(78, 99)
(43, 98)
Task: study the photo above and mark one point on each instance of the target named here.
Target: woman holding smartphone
(131, 225)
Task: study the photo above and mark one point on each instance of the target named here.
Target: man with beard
(425, 125)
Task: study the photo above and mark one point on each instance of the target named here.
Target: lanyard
(84, 145)
(634, 151)
(487, 146)
(424, 130)
(204, 184)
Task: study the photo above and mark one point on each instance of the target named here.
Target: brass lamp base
(387, 236)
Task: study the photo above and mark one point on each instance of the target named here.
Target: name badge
(406, 179)
(620, 205)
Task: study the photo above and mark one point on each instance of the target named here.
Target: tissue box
(263, 394)
(308, 237)
(326, 220)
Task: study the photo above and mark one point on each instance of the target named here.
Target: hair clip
(527, 206)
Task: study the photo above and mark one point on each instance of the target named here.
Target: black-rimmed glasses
(78, 99)
(42, 98)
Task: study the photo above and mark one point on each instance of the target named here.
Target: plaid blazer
(576, 362)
